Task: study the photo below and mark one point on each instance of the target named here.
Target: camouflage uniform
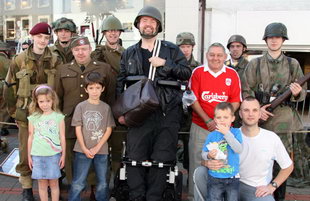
(25, 72)
(264, 72)
(65, 54)
(239, 66)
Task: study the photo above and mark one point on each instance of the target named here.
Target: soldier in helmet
(186, 42)
(36, 65)
(111, 53)
(237, 46)
(4, 66)
(267, 77)
(156, 138)
(64, 29)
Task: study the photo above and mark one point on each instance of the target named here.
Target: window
(25, 4)
(43, 3)
(9, 4)
(25, 24)
(10, 28)
(44, 18)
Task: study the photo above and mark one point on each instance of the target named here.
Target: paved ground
(10, 189)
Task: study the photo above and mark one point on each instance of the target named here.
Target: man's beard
(148, 36)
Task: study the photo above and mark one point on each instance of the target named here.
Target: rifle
(280, 99)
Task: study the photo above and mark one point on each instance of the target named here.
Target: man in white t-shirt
(260, 149)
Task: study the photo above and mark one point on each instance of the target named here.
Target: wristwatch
(274, 184)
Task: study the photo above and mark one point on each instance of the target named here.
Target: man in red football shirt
(211, 83)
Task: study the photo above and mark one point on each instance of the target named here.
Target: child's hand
(62, 161)
(224, 129)
(88, 153)
(94, 150)
(212, 154)
(30, 162)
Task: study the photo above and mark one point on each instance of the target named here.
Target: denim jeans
(247, 193)
(218, 187)
(80, 171)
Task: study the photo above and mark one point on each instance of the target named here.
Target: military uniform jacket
(242, 63)
(4, 67)
(175, 68)
(70, 88)
(265, 72)
(108, 55)
(25, 73)
(193, 63)
(65, 54)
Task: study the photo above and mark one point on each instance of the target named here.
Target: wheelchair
(173, 191)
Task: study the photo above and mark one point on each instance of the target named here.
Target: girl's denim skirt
(46, 167)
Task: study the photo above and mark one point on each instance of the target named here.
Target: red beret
(41, 28)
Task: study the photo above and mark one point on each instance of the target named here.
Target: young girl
(46, 142)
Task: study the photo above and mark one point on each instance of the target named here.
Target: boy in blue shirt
(223, 144)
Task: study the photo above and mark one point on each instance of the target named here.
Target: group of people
(60, 97)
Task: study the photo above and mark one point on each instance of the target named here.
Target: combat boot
(4, 145)
(4, 132)
(28, 195)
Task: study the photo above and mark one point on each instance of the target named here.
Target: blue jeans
(247, 193)
(80, 171)
(217, 187)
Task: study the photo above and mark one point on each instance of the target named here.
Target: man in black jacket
(156, 139)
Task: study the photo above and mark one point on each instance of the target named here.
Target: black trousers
(155, 140)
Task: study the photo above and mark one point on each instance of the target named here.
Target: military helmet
(111, 23)
(276, 29)
(185, 38)
(4, 46)
(64, 23)
(236, 38)
(150, 11)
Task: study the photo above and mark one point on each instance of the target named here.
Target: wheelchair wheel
(173, 192)
(120, 191)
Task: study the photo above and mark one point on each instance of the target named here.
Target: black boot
(4, 132)
(28, 195)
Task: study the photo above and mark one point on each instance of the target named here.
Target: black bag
(136, 103)
(139, 100)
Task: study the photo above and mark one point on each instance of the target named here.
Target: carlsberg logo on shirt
(211, 97)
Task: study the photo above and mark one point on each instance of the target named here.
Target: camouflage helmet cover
(111, 23)
(236, 38)
(150, 11)
(185, 38)
(4, 46)
(275, 29)
(64, 23)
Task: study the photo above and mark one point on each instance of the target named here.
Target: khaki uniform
(25, 73)
(4, 67)
(113, 57)
(70, 90)
(65, 54)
